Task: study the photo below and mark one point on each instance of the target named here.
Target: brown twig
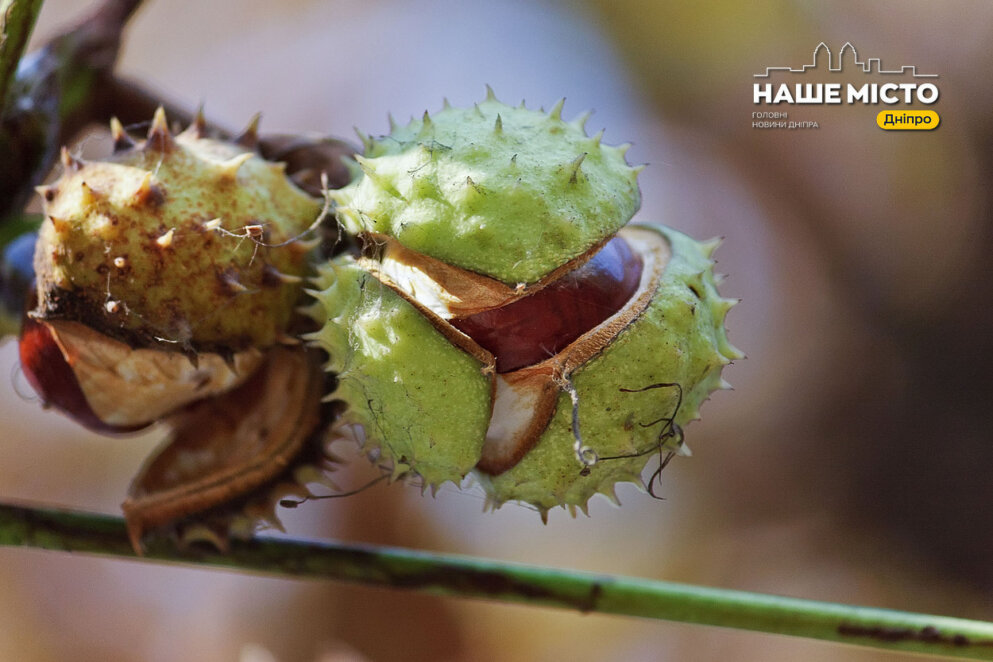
(132, 103)
(55, 93)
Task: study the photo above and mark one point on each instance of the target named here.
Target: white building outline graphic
(871, 66)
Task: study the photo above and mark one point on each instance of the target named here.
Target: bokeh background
(850, 464)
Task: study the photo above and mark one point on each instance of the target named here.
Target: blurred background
(851, 462)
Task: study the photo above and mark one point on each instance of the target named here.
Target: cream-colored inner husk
(126, 387)
(445, 290)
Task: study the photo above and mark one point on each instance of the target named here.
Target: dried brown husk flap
(446, 290)
(227, 446)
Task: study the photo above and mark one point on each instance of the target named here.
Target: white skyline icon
(870, 66)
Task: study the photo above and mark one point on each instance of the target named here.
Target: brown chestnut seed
(539, 326)
(526, 399)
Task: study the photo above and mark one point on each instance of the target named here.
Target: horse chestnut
(167, 280)
(501, 321)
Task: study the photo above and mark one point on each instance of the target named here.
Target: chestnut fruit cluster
(167, 278)
(498, 317)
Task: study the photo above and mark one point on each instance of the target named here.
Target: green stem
(440, 574)
(17, 19)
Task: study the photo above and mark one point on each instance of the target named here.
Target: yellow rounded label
(907, 120)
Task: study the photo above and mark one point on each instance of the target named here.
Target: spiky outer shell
(506, 192)
(424, 404)
(622, 407)
(128, 248)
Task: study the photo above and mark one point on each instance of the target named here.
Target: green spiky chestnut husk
(473, 210)
(422, 406)
(178, 241)
(505, 192)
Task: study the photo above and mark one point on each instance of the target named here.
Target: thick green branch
(481, 578)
